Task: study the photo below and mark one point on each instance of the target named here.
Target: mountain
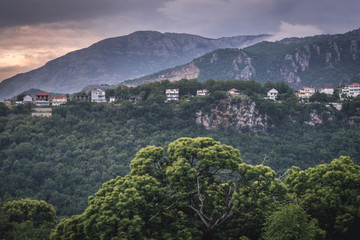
(319, 61)
(114, 60)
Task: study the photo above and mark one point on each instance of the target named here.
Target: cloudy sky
(33, 32)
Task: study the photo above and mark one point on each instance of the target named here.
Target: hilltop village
(44, 99)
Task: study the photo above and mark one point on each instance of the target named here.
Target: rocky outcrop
(242, 116)
(189, 71)
(243, 67)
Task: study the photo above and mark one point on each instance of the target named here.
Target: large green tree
(27, 219)
(200, 190)
(330, 193)
(291, 222)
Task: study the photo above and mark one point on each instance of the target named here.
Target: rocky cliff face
(114, 60)
(242, 116)
(326, 60)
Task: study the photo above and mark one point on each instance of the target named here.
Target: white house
(327, 90)
(27, 99)
(272, 94)
(352, 90)
(59, 100)
(98, 95)
(202, 92)
(172, 94)
(112, 99)
(306, 92)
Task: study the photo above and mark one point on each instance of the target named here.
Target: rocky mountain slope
(316, 61)
(114, 60)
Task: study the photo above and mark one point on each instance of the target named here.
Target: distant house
(59, 100)
(134, 98)
(352, 90)
(112, 99)
(98, 95)
(82, 98)
(172, 94)
(272, 94)
(42, 99)
(233, 92)
(327, 90)
(202, 92)
(9, 102)
(306, 92)
(27, 99)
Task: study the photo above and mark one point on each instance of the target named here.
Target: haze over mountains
(319, 61)
(114, 60)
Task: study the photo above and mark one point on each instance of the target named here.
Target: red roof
(97, 90)
(60, 97)
(355, 84)
(233, 90)
(307, 88)
(42, 93)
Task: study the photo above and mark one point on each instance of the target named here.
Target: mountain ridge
(113, 60)
(316, 61)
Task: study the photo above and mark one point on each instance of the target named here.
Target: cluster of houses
(353, 90)
(44, 98)
(98, 95)
(307, 92)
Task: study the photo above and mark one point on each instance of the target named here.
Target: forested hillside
(66, 158)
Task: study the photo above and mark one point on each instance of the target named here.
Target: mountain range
(113, 60)
(318, 61)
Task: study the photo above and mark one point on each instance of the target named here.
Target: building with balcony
(306, 92)
(172, 94)
(42, 99)
(59, 100)
(98, 95)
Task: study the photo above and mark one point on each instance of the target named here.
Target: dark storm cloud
(213, 16)
(29, 12)
(33, 32)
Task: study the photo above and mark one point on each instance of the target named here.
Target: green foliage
(291, 223)
(66, 158)
(322, 97)
(20, 97)
(4, 110)
(201, 190)
(330, 193)
(27, 219)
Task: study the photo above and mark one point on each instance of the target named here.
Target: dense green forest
(66, 158)
(201, 189)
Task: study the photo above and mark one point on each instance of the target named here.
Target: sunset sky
(33, 32)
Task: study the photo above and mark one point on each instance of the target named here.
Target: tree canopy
(200, 190)
(330, 193)
(27, 219)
